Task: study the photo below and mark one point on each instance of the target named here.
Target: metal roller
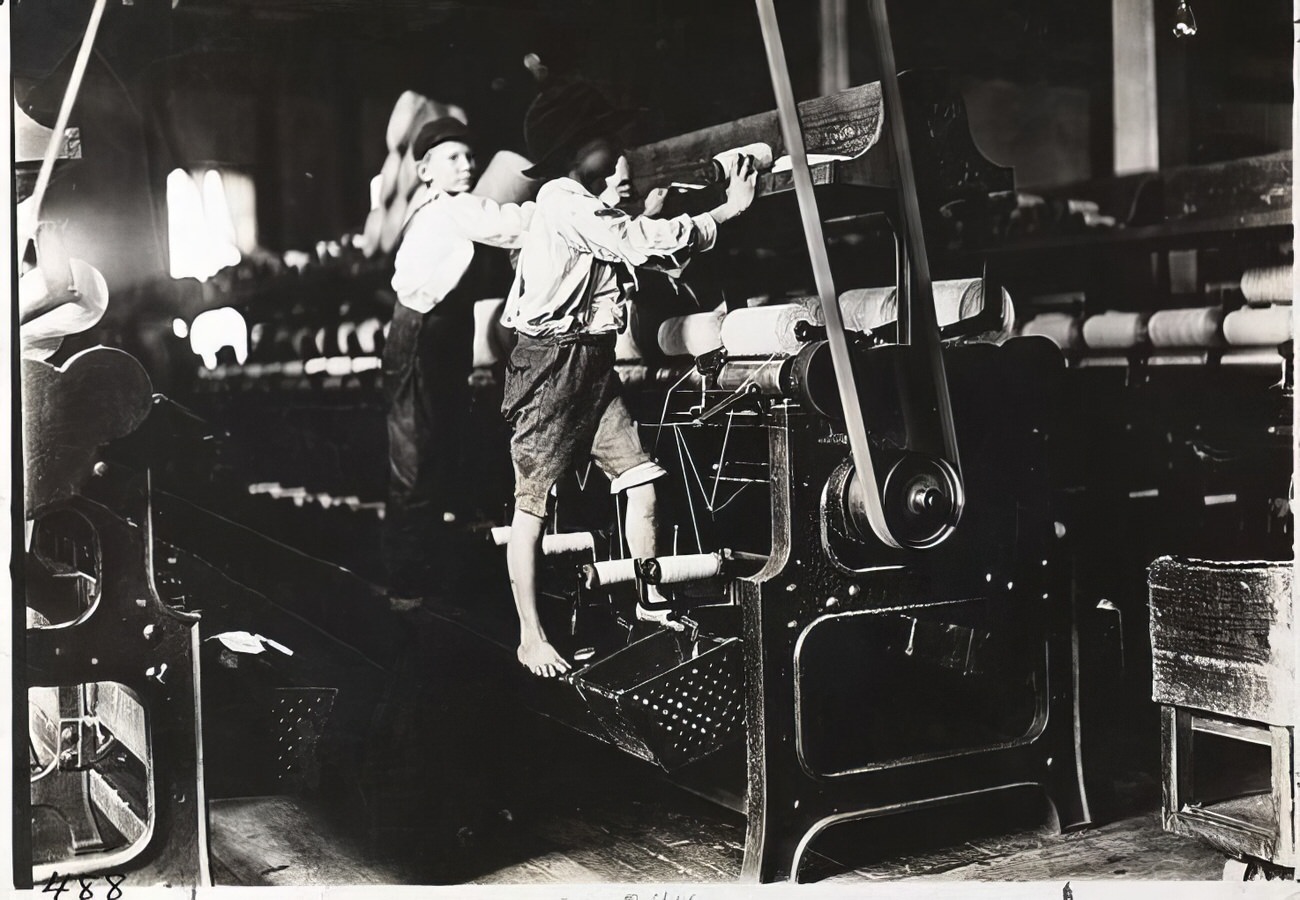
(661, 570)
(553, 544)
(679, 569)
(768, 376)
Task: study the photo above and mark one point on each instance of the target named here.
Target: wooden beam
(1136, 122)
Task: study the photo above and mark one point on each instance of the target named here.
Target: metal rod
(65, 108)
(788, 114)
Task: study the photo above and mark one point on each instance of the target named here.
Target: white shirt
(577, 254)
(438, 243)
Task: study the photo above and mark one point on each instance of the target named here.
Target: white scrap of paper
(247, 642)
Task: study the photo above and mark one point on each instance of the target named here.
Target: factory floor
(620, 826)
(469, 787)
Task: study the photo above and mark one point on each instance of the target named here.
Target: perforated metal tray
(669, 698)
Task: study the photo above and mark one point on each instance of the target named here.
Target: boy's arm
(615, 236)
(487, 222)
(430, 261)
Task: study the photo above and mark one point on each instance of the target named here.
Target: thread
(1197, 327)
(954, 300)
(1271, 284)
(693, 335)
(367, 333)
(1115, 330)
(766, 330)
(342, 338)
(607, 573)
(677, 569)
(1061, 328)
(552, 544)
(574, 542)
(863, 309)
(812, 305)
(1260, 327)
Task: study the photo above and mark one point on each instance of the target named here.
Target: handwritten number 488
(57, 884)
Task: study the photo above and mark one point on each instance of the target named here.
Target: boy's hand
(742, 180)
(654, 201)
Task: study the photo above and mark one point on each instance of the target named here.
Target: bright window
(211, 218)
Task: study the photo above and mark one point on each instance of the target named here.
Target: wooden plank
(1283, 795)
(1233, 836)
(1175, 781)
(1235, 731)
(623, 852)
(276, 841)
(1256, 185)
(550, 868)
(847, 123)
(1222, 638)
(1133, 848)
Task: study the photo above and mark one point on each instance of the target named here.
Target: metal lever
(741, 395)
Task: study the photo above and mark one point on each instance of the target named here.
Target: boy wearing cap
(567, 303)
(438, 276)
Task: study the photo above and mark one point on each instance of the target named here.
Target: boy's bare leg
(641, 528)
(522, 551)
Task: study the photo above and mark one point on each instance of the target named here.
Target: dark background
(298, 93)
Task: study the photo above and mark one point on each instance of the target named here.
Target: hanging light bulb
(1184, 21)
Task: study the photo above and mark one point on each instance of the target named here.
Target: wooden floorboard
(279, 841)
(1134, 848)
(673, 839)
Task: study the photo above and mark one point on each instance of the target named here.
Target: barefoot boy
(568, 302)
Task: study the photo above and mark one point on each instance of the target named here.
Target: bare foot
(540, 658)
(659, 617)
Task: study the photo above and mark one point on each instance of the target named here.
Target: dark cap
(431, 134)
(563, 118)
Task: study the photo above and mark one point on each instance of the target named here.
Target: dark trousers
(427, 363)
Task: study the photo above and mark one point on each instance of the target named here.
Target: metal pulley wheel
(922, 500)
